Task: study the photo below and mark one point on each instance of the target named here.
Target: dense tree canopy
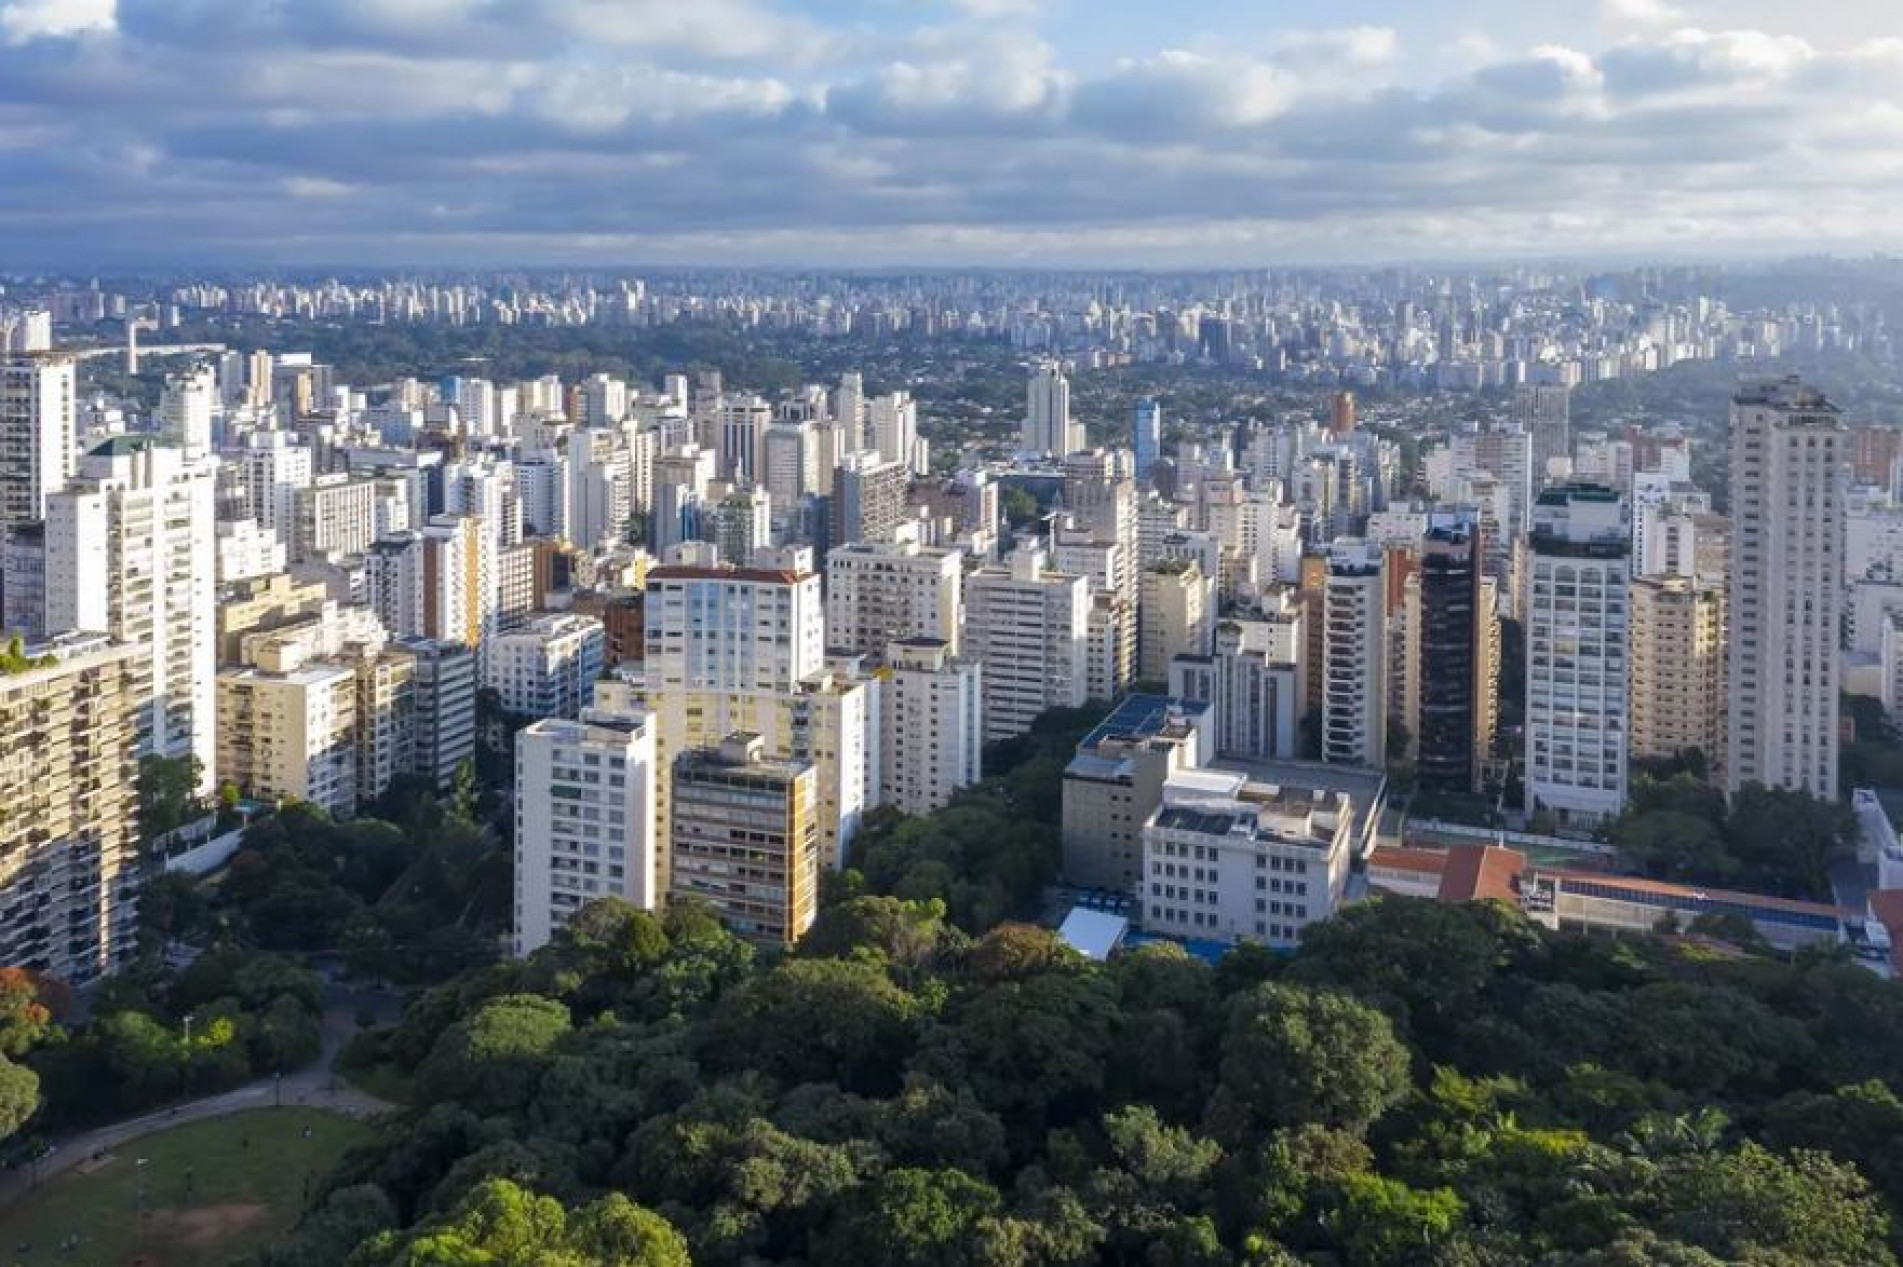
(1419, 1083)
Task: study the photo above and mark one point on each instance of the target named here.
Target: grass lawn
(213, 1190)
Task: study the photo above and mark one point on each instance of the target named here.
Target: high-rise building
(274, 467)
(1028, 627)
(1452, 678)
(745, 840)
(881, 592)
(893, 427)
(287, 729)
(1148, 441)
(1354, 705)
(730, 628)
(1176, 615)
(1786, 581)
(131, 551)
(69, 779)
(931, 717)
(1545, 410)
(445, 702)
(547, 665)
(1678, 668)
(1254, 683)
(1048, 427)
(868, 501)
(1576, 663)
(584, 820)
(39, 434)
(186, 407)
(335, 515)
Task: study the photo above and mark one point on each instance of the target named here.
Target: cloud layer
(611, 131)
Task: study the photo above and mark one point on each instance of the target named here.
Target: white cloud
(24, 20)
(1640, 17)
(1325, 51)
(315, 187)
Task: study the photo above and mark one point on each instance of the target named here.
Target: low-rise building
(1116, 780)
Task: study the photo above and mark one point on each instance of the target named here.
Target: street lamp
(188, 1030)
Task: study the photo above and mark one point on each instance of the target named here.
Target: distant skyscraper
(1576, 666)
(1787, 548)
(38, 433)
(1341, 413)
(1149, 435)
(1545, 410)
(1048, 428)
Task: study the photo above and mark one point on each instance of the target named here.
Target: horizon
(942, 133)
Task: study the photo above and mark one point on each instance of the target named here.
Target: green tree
(1787, 839)
(819, 1020)
(493, 1059)
(1752, 1206)
(1294, 1055)
(168, 793)
(1379, 1220)
(19, 1096)
(913, 1218)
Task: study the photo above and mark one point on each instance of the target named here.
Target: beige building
(68, 834)
(1678, 668)
(745, 839)
(287, 730)
(1116, 780)
(1785, 591)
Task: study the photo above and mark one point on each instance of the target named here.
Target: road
(314, 1086)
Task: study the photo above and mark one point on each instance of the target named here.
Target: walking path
(316, 1086)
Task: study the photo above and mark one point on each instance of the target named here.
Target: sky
(943, 132)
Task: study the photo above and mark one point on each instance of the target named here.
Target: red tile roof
(1404, 858)
(1477, 872)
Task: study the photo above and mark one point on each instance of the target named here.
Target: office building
(1678, 669)
(745, 839)
(1452, 670)
(131, 552)
(1229, 857)
(1028, 627)
(1576, 661)
(932, 726)
(1148, 440)
(584, 820)
(1786, 581)
(69, 841)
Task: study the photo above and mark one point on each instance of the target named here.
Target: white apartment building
(1230, 859)
(1048, 426)
(1577, 637)
(546, 666)
(600, 488)
(187, 406)
(39, 434)
(728, 628)
(892, 425)
(932, 725)
(131, 551)
(1029, 629)
(885, 591)
(1255, 683)
(584, 820)
(1786, 581)
(336, 515)
(274, 467)
(246, 549)
(1354, 656)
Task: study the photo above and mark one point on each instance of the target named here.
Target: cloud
(1639, 17)
(574, 130)
(24, 20)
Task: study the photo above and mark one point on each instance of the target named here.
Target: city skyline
(960, 133)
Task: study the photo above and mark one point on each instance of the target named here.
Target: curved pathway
(316, 1086)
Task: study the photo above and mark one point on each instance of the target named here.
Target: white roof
(1093, 934)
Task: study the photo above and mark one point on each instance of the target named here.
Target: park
(202, 1193)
